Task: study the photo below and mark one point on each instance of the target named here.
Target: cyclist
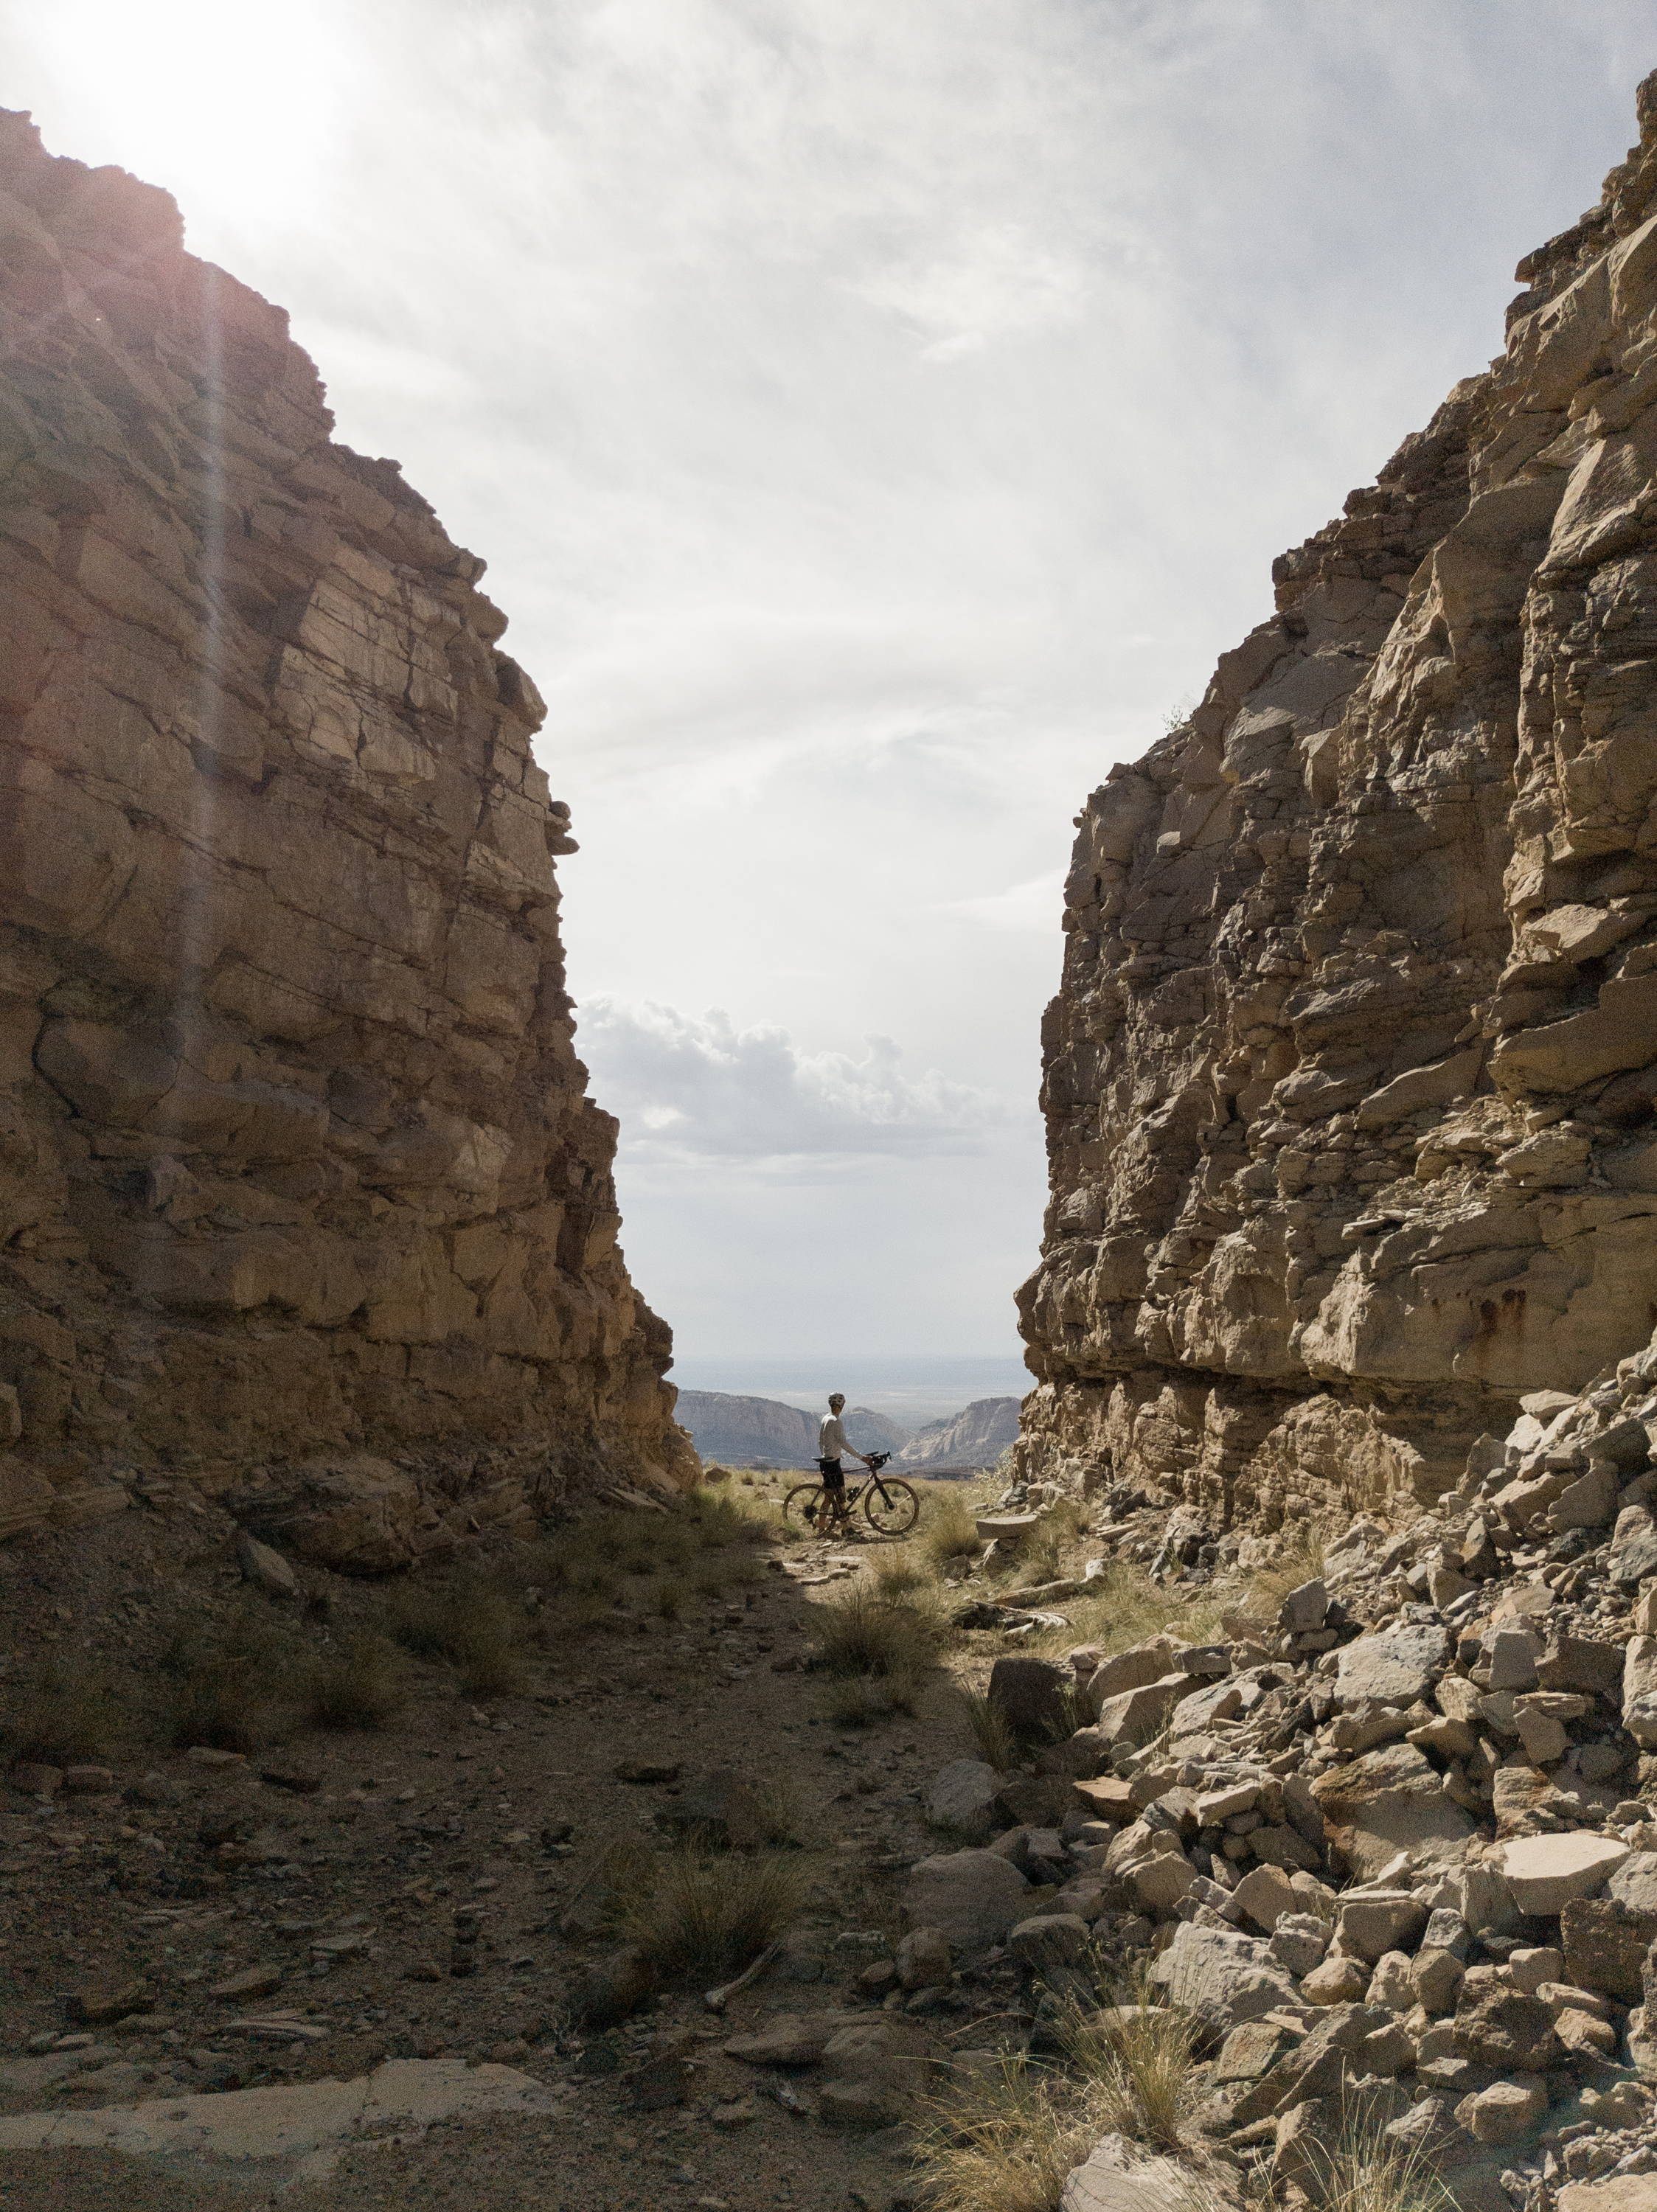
(831, 1446)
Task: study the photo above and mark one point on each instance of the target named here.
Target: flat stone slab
(1009, 1526)
(288, 2133)
(1544, 1873)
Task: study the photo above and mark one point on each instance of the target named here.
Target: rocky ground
(1375, 1822)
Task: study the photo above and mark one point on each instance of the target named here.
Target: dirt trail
(383, 1846)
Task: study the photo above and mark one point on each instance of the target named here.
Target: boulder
(972, 1897)
(265, 1569)
(1605, 1943)
(1639, 1691)
(1398, 1667)
(1224, 1978)
(1498, 2025)
(1378, 1921)
(923, 1960)
(1622, 2192)
(876, 2068)
(1050, 1939)
(1135, 1716)
(1120, 2177)
(1545, 1872)
(1507, 2111)
(354, 1513)
(791, 2039)
(1033, 1695)
(961, 1796)
(1389, 1800)
(1130, 1670)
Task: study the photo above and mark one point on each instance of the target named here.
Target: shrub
(62, 1711)
(356, 1684)
(707, 1914)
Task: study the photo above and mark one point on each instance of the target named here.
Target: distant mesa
(726, 1426)
(975, 1437)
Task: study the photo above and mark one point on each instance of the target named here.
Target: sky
(876, 418)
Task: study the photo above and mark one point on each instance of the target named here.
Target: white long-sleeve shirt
(831, 1437)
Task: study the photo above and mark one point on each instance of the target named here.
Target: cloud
(699, 1088)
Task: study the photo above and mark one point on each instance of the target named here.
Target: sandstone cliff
(1350, 1083)
(301, 1202)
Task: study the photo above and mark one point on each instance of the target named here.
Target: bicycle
(890, 1506)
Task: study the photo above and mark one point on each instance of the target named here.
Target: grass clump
(1004, 2141)
(860, 1700)
(228, 1684)
(1362, 2171)
(992, 1732)
(865, 1634)
(355, 1683)
(62, 1712)
(1300, 1560)
(470, 1624)
(949, 1531)
(706, 1914)
(1121, 1607)
(1139, 2060)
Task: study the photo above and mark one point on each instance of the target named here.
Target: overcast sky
(877, 415)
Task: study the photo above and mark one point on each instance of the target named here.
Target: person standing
(831, 1448)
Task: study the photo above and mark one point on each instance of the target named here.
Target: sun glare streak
(245, 126)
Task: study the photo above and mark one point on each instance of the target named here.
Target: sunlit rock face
(1349, 1082)
(296, 1167)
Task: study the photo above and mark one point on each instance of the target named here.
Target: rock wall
(1349, 1082)
(301, 1201)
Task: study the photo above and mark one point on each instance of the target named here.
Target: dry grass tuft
(1124, 1607)
(62, 1712)
(357, 1684)
(468, 1622)
(228, 1684)
(860, 1700)
(992, 1732)
(1006, 2141)
(949, 1529)
(704, 1914)
(864, 1633)
(1003, 2141)
(1365, 2173)
(1139, 2059)
(1300, 1560)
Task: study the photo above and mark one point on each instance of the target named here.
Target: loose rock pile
(1397, 1854)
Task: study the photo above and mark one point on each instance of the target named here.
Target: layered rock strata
(1350, 1083)
(302, 1200)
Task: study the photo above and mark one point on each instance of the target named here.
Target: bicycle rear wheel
(891, 1505)
(802, 1508)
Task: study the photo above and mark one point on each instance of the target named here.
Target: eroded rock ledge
(1349, 1082)
(301, 1199)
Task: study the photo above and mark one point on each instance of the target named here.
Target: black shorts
(834, 1480)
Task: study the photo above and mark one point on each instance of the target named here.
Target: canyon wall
(303, 1205)
(1349, 1082)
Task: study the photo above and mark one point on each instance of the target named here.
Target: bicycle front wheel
(803, 1508)
(892, 1506)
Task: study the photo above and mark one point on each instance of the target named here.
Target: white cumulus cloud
(686, 1085)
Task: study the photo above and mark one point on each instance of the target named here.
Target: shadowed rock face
(1349, 1082)
(296, 1167)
